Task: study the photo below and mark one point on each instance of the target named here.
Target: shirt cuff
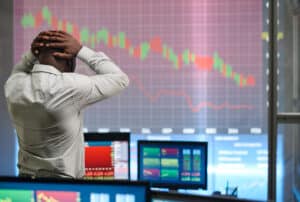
(85, 54)
(30, 58)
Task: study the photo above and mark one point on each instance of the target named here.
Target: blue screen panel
(174, 164)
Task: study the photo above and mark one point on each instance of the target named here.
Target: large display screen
(107, 156)
(173, 164)
(40, 190)
(193, 64)
(198, 69)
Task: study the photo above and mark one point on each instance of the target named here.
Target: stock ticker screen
(107, 156)
(197, 69)
(173, 164)
(30, 190)
(193, 65)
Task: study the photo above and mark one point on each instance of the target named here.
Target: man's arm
(29, 58)
(109, 79)
(26, 64)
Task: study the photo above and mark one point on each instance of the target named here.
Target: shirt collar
(45, 68)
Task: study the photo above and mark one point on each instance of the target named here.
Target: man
(46, 98)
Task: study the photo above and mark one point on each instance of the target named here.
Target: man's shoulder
(16, 76)
(17, 80)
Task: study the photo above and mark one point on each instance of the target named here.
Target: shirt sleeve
(26, 63)
(108, 81)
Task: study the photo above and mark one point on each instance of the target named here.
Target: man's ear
(73, 64)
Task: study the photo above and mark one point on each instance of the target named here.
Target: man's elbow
(124, 80)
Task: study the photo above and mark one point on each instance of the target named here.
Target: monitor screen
(173, 164)
(30, 190)
(159, 196)
(107, 156)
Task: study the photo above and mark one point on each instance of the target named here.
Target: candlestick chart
(191, 65)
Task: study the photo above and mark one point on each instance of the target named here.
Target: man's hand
(38, 43)
(64, 41)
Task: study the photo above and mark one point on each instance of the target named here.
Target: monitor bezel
(110, 136)
(72, 181)
(168, 184)
(186, 197)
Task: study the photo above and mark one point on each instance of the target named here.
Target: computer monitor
(173, 164)
(40, 190)
(158, 196)
(107, 156)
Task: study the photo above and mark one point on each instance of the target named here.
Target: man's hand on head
(38, 43)
(64, 41)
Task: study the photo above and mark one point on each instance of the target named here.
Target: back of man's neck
(52, 62)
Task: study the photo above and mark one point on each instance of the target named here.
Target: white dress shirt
(46, 106)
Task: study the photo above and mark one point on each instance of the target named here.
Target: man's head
(46, 57)
(56, 48)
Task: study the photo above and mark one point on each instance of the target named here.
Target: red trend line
(177, 93)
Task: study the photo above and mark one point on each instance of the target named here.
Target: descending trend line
(194, 108)
(206, 63)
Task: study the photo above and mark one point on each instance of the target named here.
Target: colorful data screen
(11, 195)
(173, 164)
(192, 65)
(47, 190)
(107, 156)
